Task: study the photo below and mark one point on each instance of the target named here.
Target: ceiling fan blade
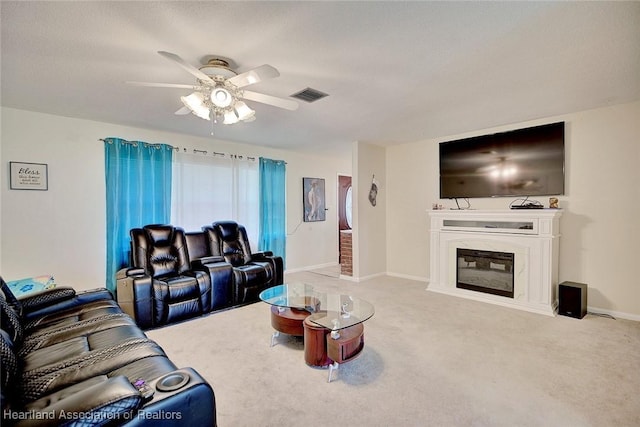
(170, 85)
(183, 111)
(256, 75)
(270, 100)
(185, 65)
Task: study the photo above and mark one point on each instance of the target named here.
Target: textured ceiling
(395, 72)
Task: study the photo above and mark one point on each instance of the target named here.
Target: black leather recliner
(252, 271)
(70, 358)
(161, 287)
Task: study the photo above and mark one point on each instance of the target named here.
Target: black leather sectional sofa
(76, 359)
(175, 275)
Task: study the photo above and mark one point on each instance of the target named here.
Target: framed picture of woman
(313, 199)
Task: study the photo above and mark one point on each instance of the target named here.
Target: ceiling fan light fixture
(243, 111)
(221, 97)
(219, 90)
(195, 103)
(230, 118)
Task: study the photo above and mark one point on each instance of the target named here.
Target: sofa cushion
(47, 336)
(159, 234)
(99, 400)
(162, 261)
(49, 378)
(59, 349)
(197, 245)
(73, 315)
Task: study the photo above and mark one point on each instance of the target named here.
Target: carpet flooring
(429, 360)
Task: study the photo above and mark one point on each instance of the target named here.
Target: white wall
(600, 226)
(62, 231)
(312, 244)
(369, 235)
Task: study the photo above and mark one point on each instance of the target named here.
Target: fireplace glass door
(485, 271)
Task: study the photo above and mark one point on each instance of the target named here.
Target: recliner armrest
(36, 300)
(262, 254)
(276, 262)
(200, 263)
(58, 299)
(130, 272)
(135, 295)
(97, 400)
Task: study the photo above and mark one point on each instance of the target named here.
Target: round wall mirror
(348, 206)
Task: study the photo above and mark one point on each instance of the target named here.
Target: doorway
(345, 225)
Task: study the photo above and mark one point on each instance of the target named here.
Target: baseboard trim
(358, 279)
(365, 278)
(616, 314)
(408, 277)
(311, 267)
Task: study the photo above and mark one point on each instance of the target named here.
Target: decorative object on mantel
(373, 192)
(313, 199)
(28, 176)
(553, 203)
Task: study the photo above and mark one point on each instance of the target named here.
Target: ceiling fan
(219, 90)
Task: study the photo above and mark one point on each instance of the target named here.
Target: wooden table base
(315, 345)
(321, 350)
(288, 321)
(345, 348)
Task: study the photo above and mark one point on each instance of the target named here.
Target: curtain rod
(186, 150)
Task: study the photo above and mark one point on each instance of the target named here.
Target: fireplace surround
(517, 245)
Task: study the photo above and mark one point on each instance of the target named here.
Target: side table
(346, 347)
(287, 321)
(315, 344)
(322, 350)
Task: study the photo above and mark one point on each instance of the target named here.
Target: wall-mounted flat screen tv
(523, 162)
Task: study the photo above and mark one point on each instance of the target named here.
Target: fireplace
(516, 249)
(485, 271)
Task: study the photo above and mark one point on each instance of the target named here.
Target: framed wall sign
(28, 176)
(313, 199)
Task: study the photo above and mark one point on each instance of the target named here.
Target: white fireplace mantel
(532, 235)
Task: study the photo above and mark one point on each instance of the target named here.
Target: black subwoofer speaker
(572, 299)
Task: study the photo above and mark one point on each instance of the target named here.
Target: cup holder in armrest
(173, 381)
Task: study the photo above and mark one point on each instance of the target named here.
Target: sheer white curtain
(210, 188)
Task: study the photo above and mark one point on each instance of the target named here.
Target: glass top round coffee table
(341, 311)
(290, 305)
(333, 311)
(330, 323)
(298, 295)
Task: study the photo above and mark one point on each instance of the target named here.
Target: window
(209, 188)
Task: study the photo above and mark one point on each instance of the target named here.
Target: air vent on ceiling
(309, 95)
